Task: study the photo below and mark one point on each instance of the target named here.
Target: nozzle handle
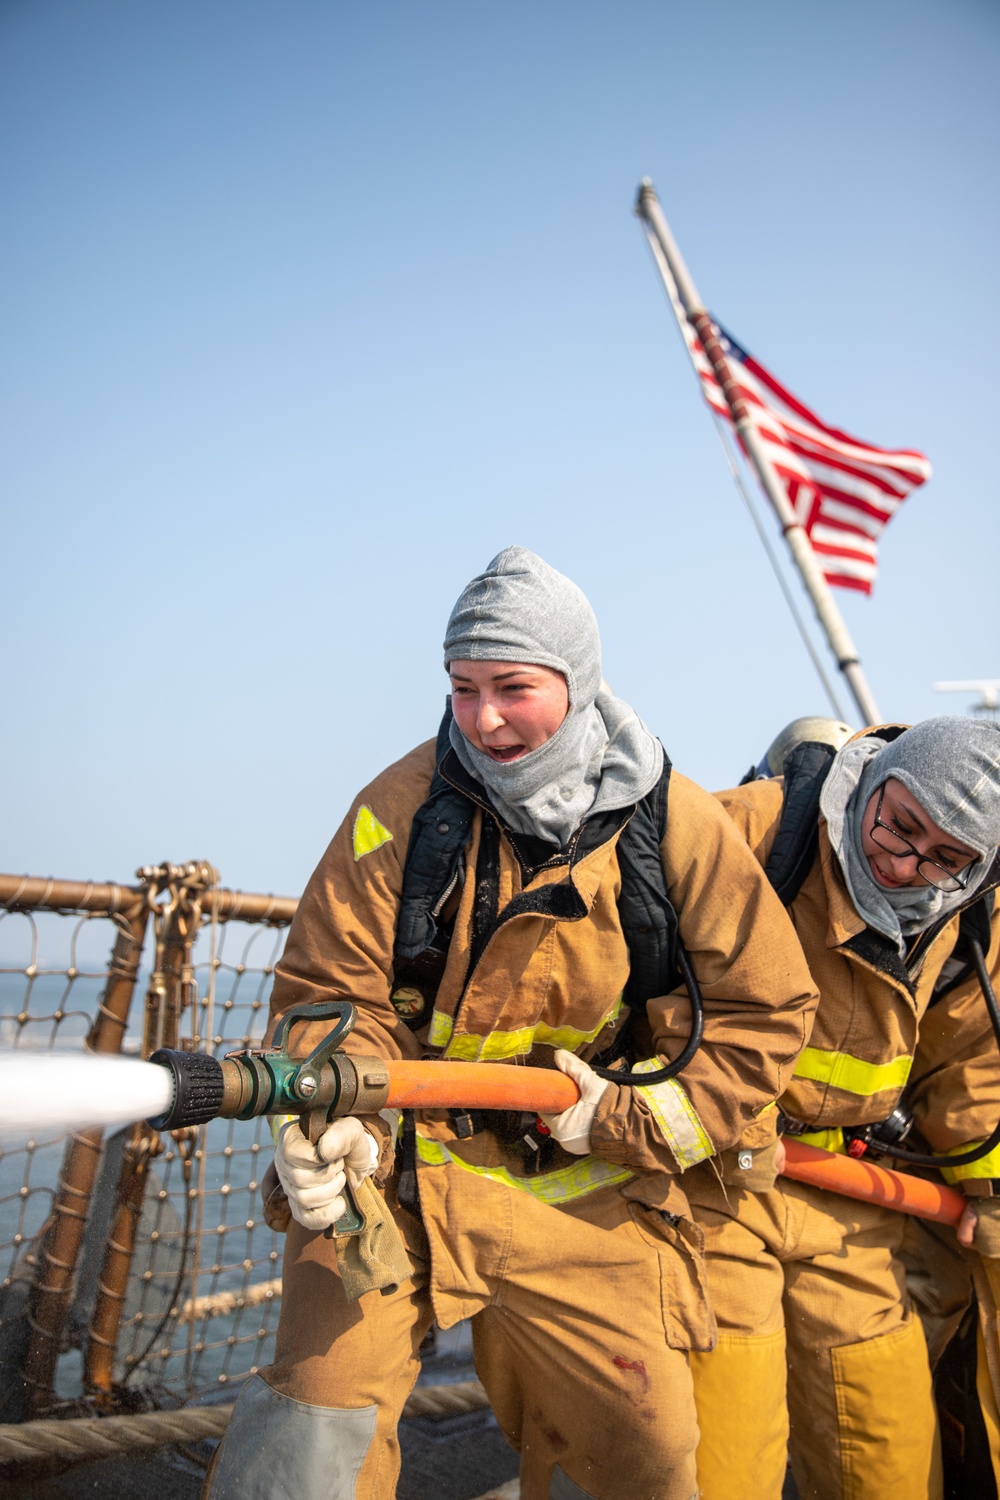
(341, 1011)
(350, 1221)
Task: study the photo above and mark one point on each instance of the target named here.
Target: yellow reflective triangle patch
(368, 833)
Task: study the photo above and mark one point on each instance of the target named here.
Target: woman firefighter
(498, 899)
(892, 894)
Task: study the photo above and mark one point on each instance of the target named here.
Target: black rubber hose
(646, 1080)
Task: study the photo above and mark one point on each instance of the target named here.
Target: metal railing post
(176, 922)
(52, 1286)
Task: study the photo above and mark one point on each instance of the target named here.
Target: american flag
(842, 490)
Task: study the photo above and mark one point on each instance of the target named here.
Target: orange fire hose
(860, 1179)
(444, 1085)
(437, 1085)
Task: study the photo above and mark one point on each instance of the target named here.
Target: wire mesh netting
(202, 1302)
(54, 967)
(67, 973)
(199, 1307)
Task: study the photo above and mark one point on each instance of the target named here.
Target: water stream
(45, 1091)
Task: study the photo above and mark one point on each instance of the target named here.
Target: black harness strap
(487, 898)
(438, 839)
(440, 832)
(648, 918)
(797, 840)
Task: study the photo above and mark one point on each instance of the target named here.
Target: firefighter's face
(507, 709)
(903, 846)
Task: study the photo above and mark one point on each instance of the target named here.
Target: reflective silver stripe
(276, 1448)
(675, 1115)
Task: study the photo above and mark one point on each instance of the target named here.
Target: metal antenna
(989, 706)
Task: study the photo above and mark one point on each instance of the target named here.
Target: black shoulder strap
(438, 837)
(975, 924)
(440, 833)
(648, 919)
(805, 770)
(794, 849)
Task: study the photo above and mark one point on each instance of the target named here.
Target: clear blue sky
(309, 309)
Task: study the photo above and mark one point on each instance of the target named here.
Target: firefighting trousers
(573, 1311)
(811, 1282)
(941, 1277)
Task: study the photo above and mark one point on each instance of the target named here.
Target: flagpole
(722, 429)
(671, 264)
(765, 541)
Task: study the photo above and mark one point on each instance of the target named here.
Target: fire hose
(330, 1083)
(862, 1179)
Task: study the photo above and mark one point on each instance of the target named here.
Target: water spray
(54, 1092)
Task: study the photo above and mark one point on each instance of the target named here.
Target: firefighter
(486, 910)
(905, 838)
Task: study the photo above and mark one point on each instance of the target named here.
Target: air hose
(661, 1075)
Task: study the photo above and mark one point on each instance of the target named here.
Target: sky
(310, 309)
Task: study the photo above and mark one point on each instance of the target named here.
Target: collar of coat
(591, 834)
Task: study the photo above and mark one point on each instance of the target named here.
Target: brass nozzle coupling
(266, 1081)
(238, 1087)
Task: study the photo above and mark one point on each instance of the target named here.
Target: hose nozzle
(267, 1081)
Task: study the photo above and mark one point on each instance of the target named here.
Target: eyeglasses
(893, 843)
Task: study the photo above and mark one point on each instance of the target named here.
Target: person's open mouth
(884, 879)
(504, 752)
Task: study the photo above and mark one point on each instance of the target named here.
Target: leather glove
(980, 1226)
(313, 1176)
(572, 1128)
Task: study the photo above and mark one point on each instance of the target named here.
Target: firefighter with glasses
(885, 854)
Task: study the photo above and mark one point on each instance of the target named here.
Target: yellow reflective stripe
(986, 1166)
(561, 1186)
(493, 1048)
(826, 1140)
(852, 1074)
(442, 1027)
(277, 1123)
(369, 833)
(675, 1115)
(498, 1045)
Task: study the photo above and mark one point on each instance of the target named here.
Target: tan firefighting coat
(542, 982)
(881, 1035)
(874, 1037)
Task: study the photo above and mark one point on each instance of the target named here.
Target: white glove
(572, 1128)
(313, 1176)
